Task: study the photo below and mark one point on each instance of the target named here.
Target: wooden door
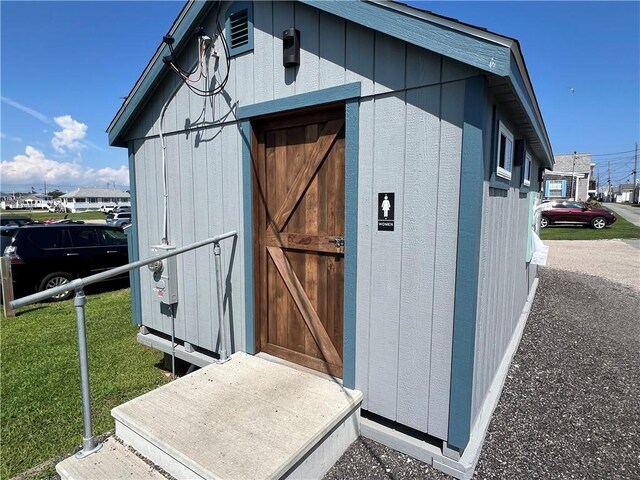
(298, 192)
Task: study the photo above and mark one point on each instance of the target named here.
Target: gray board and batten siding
(411, 122)
(410, 140)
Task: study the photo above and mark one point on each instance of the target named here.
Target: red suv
(575, 213)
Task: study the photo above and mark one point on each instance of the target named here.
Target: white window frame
(558, 190)
(527, 170)
(500, 171)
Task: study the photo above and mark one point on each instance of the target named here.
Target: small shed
(381, 165)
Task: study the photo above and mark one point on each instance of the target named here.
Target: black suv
(45, 256)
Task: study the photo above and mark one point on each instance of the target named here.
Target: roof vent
(239, 23)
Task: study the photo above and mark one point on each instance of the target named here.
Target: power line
(614, 153)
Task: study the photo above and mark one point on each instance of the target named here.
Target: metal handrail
(98, 277)
(89, 444)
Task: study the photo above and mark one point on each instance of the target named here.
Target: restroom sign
(386, 207)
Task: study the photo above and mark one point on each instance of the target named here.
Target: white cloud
(34, 167)
(70, 136)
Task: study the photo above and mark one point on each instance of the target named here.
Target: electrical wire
(615, 153)
(220, 87)
(202, 93)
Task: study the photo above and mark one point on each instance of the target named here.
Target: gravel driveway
(570, 407)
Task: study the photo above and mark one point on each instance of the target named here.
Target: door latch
(339, 243)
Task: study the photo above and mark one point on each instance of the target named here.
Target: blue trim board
(247, 211)
(303, 100)
(349, 93)
(352, 128)
(132, 243)
(467, 265)
(181, 34)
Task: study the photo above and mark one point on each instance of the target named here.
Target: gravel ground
(615, 260)
(570, 407)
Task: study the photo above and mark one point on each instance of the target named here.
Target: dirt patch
(614, 260)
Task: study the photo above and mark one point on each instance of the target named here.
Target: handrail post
(222, 330)
(89, 445)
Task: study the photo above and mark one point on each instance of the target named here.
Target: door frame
(349, 94)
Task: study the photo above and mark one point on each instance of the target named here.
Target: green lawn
(620, 229)
(40, 414)
(44, 215)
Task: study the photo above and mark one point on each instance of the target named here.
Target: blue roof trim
(303, 100)
(152, 77)
(474, 51)
(467, 265)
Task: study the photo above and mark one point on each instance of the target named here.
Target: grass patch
(41, 415)
(40, 215)
(621, 229)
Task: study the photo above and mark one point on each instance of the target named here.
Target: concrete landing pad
(248, 418)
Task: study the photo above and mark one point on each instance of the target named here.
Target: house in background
(571, 178)
(625, 192)
(34, 201)
(380, 164)
(83, 199)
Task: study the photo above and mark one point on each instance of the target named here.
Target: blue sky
(66, 65)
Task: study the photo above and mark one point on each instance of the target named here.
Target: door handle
(112, 251)
(72, 254)
(337, 241)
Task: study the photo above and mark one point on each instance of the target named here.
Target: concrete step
(114, 461)
(248, 418)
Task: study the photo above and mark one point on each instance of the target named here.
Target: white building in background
(83, 199)
(34, 201)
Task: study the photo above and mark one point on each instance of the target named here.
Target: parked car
(14, 220)
(6, 235)
(107, 208)
(119, 219)
(575, 213)
(46, 256)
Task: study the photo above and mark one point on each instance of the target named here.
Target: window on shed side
(527, 170)
(505, 152)
(239, 28)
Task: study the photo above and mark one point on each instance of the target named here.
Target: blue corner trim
(467, 265)
(472, 50)
(247, 212)
(303, 100)
(235, 8)
(132, 244)
(150, 79)
(352, 128)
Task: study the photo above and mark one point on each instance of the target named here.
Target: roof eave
(153, 73)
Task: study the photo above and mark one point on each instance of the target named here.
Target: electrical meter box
(165, 275)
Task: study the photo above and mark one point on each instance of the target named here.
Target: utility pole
(635, 175)
(609, 181)
(598, 192)
(573, 176)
